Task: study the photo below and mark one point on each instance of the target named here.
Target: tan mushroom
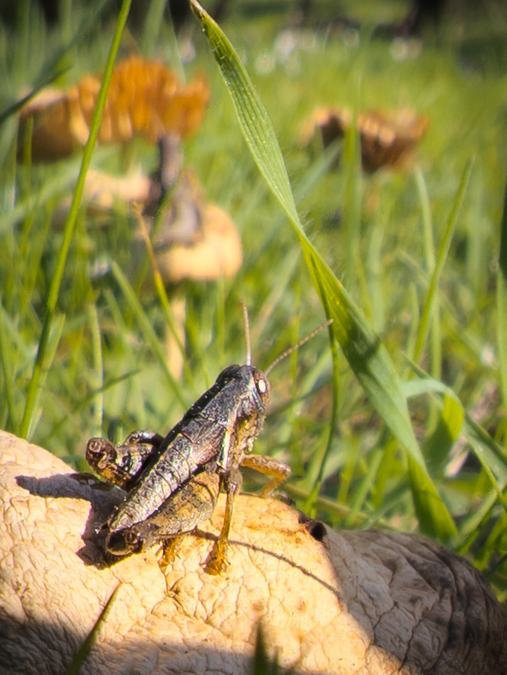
(388, 138)
(328, 602)
(197, 239)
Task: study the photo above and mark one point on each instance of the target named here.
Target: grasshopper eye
(262, 385)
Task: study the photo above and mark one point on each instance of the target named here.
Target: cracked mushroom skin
(328, 602)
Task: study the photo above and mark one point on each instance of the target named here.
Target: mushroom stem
(175, 343)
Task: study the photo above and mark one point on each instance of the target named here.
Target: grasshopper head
(254, 387)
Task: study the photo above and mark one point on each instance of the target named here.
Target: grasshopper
(219, 429)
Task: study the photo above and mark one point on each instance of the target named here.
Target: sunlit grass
(107, 373)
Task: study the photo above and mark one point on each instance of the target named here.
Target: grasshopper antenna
(297, 346)
(246, 328)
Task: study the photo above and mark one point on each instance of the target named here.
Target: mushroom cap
(145, 99)
(328, 602)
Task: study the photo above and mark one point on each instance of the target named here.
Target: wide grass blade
(69, 229)
(362, 347)
(490, 455)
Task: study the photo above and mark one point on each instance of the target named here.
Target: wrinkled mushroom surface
(328, 602)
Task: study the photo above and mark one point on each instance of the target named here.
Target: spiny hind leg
(273, 468)
(217, 560)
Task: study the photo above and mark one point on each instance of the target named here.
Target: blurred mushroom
(388, 138)
(145, 99)
(190, 238)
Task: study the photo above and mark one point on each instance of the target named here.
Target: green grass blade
(82, 404)
(471, 526)
(152, 24)
(332, 426)
(70, 227)
(362, 347)
(74, 668)
(53, 340)
(352, 202)
(252, 115)
(443, 250)
(429, 256)
(162, 293)
(427, 224)
(149, 334)
(6, 361)
(490, 455)
(486, 449)
(98, 368)
(501, 301)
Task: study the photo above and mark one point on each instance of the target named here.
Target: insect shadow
(103, 499)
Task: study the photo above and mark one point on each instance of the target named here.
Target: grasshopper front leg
(276, 470)
(231, 483)
(217, 561)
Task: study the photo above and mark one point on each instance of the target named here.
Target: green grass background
(381, 235)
